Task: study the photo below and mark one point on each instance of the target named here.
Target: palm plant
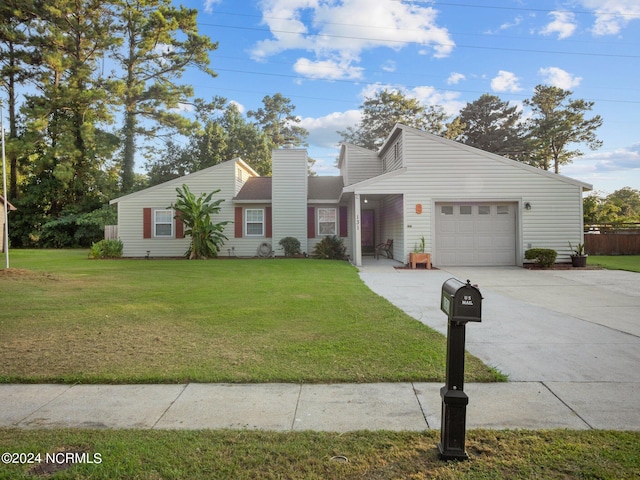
(206, 237)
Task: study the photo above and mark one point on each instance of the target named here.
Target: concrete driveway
(537, 325)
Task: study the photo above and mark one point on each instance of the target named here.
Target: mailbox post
(462, 303)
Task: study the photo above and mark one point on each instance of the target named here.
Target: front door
(368, 232)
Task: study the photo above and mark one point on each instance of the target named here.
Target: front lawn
(617, 262)
(68, 319)
(237, 455)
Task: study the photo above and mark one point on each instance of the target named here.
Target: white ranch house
(471, 207)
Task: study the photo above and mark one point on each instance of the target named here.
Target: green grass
(618, 262)
(68, 319)
(237, 455)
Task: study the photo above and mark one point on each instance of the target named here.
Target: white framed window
(254, 222)
(327, 221)
(465, 209)
(163, 223)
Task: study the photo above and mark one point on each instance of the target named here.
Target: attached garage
(476, 234)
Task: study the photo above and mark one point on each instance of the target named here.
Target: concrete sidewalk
(336, 407)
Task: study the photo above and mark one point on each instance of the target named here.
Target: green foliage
(545, 257)
(330, 248)
(291, 246)
(386, 108)
(556, 123)
(491, 125)
(206, 237)
(106, 249)
(578, 250)
(622, 206)
(277, 120)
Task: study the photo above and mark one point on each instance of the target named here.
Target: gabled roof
(255, 189)
(461, 146)
(180, 180)
(258, 189)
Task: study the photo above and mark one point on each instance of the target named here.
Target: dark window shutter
(146, 223)
(238, 222)
(179, 225)
(344, 230)
(311, 222)
(268, 222)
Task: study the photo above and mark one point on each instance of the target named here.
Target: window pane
(254, 229)
(327, 214)
(465, 209)
(484, 209)
(446, 210)
(327, 228)
(503, 209)
(163, 230)
(163, 216)
(254, 215)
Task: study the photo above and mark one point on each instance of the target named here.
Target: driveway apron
(549, 326)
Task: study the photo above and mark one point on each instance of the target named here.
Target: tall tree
(386, 108)
(491, 125)
(160, 42)
(16, 67)
(558, 122)
(277, 120)
(64, 118)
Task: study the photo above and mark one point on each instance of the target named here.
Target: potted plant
(419, 256)
(578, 257)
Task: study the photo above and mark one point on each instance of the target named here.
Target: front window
(163, 223)
(254, 222)
(327, 221)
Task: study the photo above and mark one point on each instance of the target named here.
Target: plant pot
(417, 258)
(579, 260)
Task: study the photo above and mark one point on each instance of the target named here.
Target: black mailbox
(462, 302)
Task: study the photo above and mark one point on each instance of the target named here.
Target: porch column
(357, 250)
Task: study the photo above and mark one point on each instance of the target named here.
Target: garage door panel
(476, 234)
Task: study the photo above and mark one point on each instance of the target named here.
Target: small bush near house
(106, 249)
(291, 246)
(330, 248)
(545, 257)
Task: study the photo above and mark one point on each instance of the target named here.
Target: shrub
(291, 246)
(545, 257)
(330, 248)
(106, 249)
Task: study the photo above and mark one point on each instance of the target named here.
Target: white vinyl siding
(254, 222)
(289, 195)
(359, 164)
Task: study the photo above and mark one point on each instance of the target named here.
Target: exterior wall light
(527, 206)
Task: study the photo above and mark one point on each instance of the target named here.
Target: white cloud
(564, 24)
(455, 78)
(208, 5)
(425, 94)
(339, 32)
(505, 82)
(327, 69)
(323, 130)
(389, 66)
(612, 15)
(241, 108)
(557, 77)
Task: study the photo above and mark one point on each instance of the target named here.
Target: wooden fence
(612, 243)
(110, 232)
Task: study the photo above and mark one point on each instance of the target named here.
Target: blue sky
(327, 55)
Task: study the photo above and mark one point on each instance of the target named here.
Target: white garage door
(476, 234)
